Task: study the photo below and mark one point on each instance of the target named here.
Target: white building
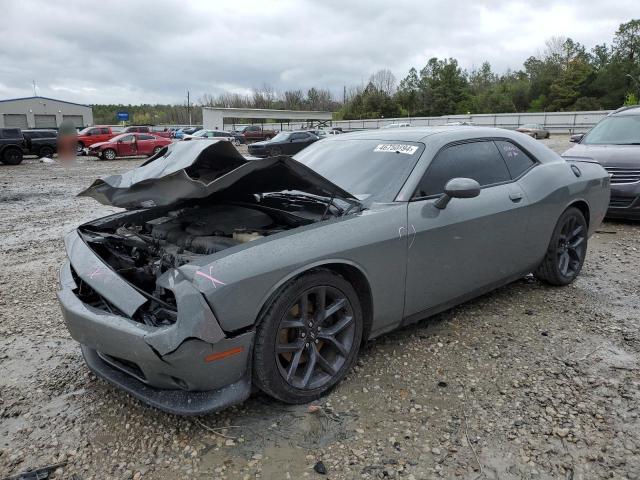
(42, 112)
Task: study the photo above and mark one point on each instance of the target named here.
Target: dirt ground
(527, 382)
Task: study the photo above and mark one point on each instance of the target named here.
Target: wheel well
(356, 278)
(584, 208)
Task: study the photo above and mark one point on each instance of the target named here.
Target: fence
(555, 122)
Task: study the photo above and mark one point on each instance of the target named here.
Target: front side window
(104, 131)
(145, 137)
(517, 161)
(94, 131)
(480, 161)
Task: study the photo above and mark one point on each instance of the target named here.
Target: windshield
(622, 130)
(281, 137)
(371, 170)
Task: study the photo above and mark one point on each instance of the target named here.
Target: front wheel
(275, 151)
(156, 150)
(308, 339)
(12, 156)
(79, 148)
(109, 154)
(566, 251)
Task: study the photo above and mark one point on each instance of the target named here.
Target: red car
(129, 145)
(91, 135)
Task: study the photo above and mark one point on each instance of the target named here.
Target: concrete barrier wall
(555, 122)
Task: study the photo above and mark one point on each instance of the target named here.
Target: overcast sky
(154, 51)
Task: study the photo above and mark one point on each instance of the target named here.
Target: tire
(315, 352)
(236, 142)
(535, 136)
(45, 151)
(79, 148)
(156, 150)
(566, 251)
(109, 154)
(12, 156)
(275, 151)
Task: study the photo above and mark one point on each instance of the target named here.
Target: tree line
(564, 76)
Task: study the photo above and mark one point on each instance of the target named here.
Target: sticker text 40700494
(396, 147)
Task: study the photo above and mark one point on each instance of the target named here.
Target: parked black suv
(12, 146)
(43, 143)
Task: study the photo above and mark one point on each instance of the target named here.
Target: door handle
(515, 196)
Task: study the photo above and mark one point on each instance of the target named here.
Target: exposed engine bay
(141, 246)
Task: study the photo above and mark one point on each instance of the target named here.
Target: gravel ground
(527, 382)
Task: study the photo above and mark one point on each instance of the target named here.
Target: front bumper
(142, 360)
(625, 201)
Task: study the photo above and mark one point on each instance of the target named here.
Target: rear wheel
(566, 251)
(46, 151)
(12, 156)
(79, 148)
(308, 339)
(109, 154)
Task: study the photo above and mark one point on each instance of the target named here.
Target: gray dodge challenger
(225, 274)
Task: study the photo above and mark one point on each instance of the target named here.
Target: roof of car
(415, 134)
(628, 110)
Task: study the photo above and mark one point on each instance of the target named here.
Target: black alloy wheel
(570, 249)
(315, 338)
(275, 151)
(308, 338)
(567, 249)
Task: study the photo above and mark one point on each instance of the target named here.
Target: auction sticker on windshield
(396, 147)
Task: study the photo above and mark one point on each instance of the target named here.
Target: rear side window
(104, 131)
(145, 137)
(11, 133)
(517, 161)
(480, 161)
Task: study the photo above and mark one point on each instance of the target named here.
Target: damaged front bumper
(188, 368)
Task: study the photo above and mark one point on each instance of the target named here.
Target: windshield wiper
(328, 201)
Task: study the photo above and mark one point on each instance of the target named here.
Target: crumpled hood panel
(189, 170)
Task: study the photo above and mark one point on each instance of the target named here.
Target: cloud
(154, 51)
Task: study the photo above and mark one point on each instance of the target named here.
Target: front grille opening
(125, 366)
(623, 175)
(159, 311)
(89, 296)
(621, 202)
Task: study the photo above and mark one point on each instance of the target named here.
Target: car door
(472, 244)
(145, 144)
(296, 142)
(125, 146)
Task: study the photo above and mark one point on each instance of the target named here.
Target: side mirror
(458, 188)
(576, 138)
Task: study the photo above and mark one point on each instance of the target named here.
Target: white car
(397, 125)
(213, 135)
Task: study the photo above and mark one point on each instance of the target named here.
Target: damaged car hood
(189, 170)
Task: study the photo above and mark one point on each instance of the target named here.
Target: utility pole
(344, 94)
(189, 107)
(35, 94)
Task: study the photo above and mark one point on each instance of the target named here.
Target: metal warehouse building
(42, 112)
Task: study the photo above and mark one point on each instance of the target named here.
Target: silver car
(226, 273)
